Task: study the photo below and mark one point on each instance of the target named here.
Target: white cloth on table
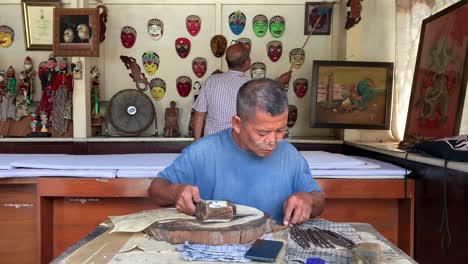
(57, 173)
(331, 161)
(7, 159)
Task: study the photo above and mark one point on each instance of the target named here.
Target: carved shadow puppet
(171, 127)
(137, 76)
(257, 70)
(63, 98)
(47, 76)
(193, 24)
(218, 45)
(7, 106)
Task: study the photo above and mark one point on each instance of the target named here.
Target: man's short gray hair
(265, 95)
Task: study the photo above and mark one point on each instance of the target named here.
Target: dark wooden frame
(90, 49)
(354, 64)
(25, 4)
(306, 20)
(463, 72)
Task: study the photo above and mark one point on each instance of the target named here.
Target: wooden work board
(238, 231)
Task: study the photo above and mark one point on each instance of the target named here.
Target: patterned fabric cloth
(217, 99)
(339, 255)
(58, 115)
(21, 106)
(8, 107)
(201, 252)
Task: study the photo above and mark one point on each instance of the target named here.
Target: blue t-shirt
(223, 171)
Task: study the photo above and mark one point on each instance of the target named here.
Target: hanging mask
(7, 35)
(158, 88)
(193, 24)
(274, 50)
(246, 42)
(199, 66)
(296, 57)
(184, 85)
(258, 70)
(292, 115)
(182, 46)
(300, 87)
(128, 36)
(155, 28)
(277, 26)
(260, 25)
(218, 45)
(150, 62)
(196, 87)
(237, 22)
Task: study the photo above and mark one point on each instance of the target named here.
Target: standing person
(247, 164)
(216, 102)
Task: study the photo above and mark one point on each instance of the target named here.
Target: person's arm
(285, 78)
(183, 196)
(302, 206)
(198, 124)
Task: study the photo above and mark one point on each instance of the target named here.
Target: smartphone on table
(264, 250)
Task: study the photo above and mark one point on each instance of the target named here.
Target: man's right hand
(187, 196)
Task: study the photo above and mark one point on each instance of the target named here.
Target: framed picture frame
(440, 75)
(38, 20)
(351, 94)
(310, 18)
(76, 32)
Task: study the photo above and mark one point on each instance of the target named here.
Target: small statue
(29, 75)
(44, 122)
(34, 122)
(21, 102)
(8, 107)
(62, 100)
(47, 80)
(95, 111)
(171, 128)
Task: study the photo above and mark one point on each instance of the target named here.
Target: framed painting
(38, 18)
(440, 75)
(351, 94)
(76, 32)
(312, 15)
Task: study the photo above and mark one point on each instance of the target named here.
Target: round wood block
(238, 231)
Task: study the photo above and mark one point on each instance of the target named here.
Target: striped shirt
(217, 99)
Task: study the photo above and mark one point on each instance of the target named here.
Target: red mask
(199, 66)
(300, 87)
(274, 50)
(182, 46)
(184, 85)
(128, 36)
(193, 24)
(292, 115)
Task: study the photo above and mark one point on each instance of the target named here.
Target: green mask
(260, 25)
(277, 26)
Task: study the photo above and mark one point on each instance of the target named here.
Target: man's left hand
(297, 208)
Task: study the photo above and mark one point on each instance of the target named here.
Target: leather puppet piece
(62, 103)
(150, 62)
(257, 70)
(277, 26)
(182, 46)
(155, 28)
(128, 36)
(292, 115)
(300, 87)
(354, 14)
(102, 22)
(8, 93)
(29, 76)
(274, 50)
(246, 42)
(138, 77)
(237, 22)
(193, 24)
(199, 66)
(158, 88)
(184, 85)
(7, 36)
(260, 25)
(218, 45)
(296, 57)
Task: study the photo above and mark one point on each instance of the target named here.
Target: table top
(165, 252)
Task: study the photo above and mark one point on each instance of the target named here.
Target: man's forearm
(198, 123)
(163, 192)
(317, 203)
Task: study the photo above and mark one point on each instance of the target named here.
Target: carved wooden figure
(171, 128)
